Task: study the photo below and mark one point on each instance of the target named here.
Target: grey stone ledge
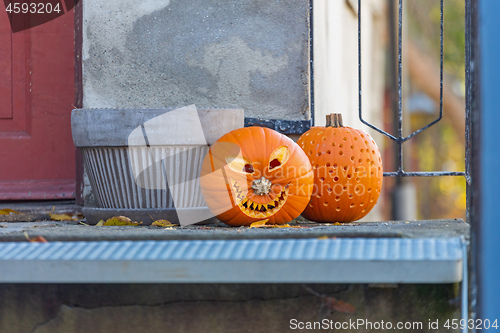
(71, 231)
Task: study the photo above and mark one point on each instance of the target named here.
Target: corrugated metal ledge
(346, 260)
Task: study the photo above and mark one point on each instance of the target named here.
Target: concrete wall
(215, 308)
(250, 54)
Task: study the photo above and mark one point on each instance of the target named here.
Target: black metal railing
(399, 138)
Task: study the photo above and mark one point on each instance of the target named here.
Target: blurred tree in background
(424, 27)
(440, 147)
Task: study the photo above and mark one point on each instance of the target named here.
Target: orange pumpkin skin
(347, 173)
(253, 174)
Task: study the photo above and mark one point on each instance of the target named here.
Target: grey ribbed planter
(145, 163)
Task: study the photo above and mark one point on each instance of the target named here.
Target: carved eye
(279, 157)
(239, 164)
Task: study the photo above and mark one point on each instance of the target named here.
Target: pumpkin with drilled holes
(347, 172)
(253, 174)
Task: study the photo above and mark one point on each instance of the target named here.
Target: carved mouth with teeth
(255, 209)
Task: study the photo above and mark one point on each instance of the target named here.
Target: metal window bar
(400, 139)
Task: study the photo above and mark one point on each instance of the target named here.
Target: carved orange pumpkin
(347, 172)
(254, 173)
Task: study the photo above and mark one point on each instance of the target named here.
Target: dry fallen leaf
(259, 224)
(100, 223)
(120, 221)
(281, 226)
(8, 211)
(37, 239)
(339, 306)
(61, 217)
(323, 237)
(163, 223)
(262, 224)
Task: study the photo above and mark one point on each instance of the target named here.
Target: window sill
(370, 252)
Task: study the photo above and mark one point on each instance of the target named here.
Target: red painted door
(37, 155)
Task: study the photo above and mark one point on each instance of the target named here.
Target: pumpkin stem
(261, 186)
(334, 120)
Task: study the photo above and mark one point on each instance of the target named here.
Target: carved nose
(261, 186)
